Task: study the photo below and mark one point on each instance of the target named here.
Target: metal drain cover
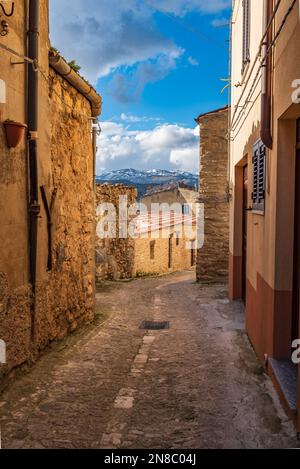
(155, 325)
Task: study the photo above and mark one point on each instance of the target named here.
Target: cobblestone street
(114, 385)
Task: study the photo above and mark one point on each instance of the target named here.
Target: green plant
(74, 66)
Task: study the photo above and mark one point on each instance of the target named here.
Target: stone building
(165, 242)
(114, 254)
(179, 194)
(130, 243)
(212, 258)
(47, 224)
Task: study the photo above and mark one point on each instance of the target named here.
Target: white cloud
(137, 119)
(128, 87)
(186, 158)
(107, 34)
(103, 35)
(193, 61)
(181, 7)
(220, 22)
(166, 146)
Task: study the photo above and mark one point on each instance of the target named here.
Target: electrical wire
(262, 64)
(258, 55)
(37, 68)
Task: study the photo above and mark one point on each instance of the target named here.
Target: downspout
(265, 131)
(32, 118)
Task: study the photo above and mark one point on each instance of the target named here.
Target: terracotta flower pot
(14, 132)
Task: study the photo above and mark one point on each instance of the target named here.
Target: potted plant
(14, 132)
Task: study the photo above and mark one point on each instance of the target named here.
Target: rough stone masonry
(114, 256)
(65, 293)
(212, 259)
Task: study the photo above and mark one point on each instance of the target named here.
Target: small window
(185, 209)
(152, 250)
(246, 33)
(177, 238)
(259, 176)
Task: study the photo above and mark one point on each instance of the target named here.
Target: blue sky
(157, 65)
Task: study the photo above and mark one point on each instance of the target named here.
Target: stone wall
(158, 263)
(212, 259)
(69, 287)
(64, 295)
(114, 256)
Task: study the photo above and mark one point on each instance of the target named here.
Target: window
(185, 209)
(177, 238)
(152, 250)
(259, 176)
(246, 34)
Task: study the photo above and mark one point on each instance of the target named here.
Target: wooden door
(245, 224)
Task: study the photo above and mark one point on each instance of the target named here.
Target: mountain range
(144, 180)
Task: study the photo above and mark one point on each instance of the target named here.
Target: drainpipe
(32, 118)
(265, 132)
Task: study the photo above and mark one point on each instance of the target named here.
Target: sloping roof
(212, 112)
(167, 187)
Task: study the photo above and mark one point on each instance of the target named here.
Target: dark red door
(296, 286)
(245, 223)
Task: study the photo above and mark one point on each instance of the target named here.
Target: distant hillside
(145, 180)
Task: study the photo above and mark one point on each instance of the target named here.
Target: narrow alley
(197, 384)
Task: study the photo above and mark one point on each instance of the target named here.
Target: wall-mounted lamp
(14, 132)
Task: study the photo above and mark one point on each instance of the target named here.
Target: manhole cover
(155, 325)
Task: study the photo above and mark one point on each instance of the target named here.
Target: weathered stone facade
(114, 256)
(170, 248)
(212, 259)
(64, 296)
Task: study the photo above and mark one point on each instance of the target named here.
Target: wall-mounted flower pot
(14, 132)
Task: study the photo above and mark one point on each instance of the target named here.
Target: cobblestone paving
(114, 385)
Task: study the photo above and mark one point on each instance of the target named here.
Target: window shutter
(246, 34)
(259, 176)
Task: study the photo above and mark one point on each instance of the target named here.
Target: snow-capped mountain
(143, 180)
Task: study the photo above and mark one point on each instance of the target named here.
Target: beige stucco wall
(64, 296)
(262, 235)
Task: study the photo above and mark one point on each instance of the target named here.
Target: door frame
(245, 230)
(296, 257)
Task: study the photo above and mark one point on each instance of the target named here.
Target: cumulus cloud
(166, 146)
(105, 35)
(128, 87)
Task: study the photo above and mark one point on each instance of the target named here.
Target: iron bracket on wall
(5, 12)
